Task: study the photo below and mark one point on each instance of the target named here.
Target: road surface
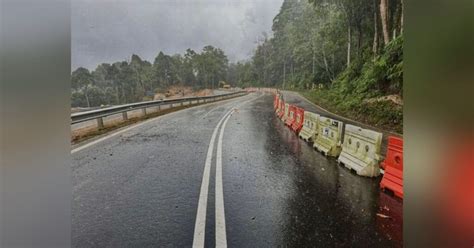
(179, 180)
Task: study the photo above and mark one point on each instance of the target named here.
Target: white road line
(208, 112)
(221, 238)
(200, 226)
(212, 110)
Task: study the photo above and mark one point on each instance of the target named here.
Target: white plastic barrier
(285, 115)
(361, 151)
(329, 136)
(310, 126)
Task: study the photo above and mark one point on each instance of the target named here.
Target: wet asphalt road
(141, 188)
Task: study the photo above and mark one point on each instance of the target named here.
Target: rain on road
(142, 187)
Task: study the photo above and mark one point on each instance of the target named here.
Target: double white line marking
(200, 227)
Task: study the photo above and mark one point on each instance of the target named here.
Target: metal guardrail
(100, 113)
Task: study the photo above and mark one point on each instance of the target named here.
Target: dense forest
(346, 55)
(137, 79)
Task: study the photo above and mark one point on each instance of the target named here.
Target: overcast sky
(111, 30)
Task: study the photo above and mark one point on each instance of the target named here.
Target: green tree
(210, 66)
(82, 80)
(163, 71)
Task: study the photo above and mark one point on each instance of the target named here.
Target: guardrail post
(100, 123)
(124, 115)
(144, 111)
(181, 104)
(159, 107)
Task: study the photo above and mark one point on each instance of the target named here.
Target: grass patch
(355, 91)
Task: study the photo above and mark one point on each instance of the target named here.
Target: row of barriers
(356, 148)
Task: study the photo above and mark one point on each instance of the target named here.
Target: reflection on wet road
(142, 187)
(280, 191)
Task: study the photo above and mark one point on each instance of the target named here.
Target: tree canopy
(315, 41)
(137, 79)
(338, 44)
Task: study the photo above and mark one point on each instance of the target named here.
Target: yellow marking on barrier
(329, 136)
(309, 131)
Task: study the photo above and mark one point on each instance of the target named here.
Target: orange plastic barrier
(393, 164)
(281, 111)
(299, 119)
(275, 102)
(291, 115)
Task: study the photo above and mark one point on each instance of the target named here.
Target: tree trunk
(292, 70)
(87, 98)
(384, 19)
(376, 36)
(397, 20)
(117, 95)
(349, 40)
(326, 64)
(401, 18)
(284, 74)
(360, 37)
(265, 65)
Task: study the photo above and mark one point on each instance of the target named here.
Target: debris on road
(383, 215)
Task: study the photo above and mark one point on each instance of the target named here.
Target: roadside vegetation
(137, 79)
(369, 90)
(345, 55)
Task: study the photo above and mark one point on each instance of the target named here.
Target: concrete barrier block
(329, 136)
(310, 127)
(361, 151)
(286, 113)
(281, 109)
(291, 115)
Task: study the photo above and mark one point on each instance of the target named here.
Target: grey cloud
(108, 31)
